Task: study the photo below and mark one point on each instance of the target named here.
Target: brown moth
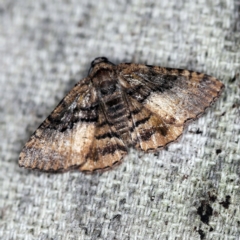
(117, 107)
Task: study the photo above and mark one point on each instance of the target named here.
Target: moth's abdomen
(118, 115)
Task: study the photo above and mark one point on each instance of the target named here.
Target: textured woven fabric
(188, 191)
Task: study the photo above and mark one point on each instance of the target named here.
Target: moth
(115, 108)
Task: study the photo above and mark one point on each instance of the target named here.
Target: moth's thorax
(105, 81)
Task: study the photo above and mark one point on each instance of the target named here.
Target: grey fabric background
(181, 193)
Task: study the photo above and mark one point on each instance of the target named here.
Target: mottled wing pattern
(63, 140)
(107, 148)
(162, 100)
(150, 132)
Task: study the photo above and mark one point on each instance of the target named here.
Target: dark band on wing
(90, 108)
(66, 119)
(111, 149)
(136, 111)
(102, 124)
(89, 119)
(146, 135)
(107, 135)
(153, 82)
(142, 121)
(140, 93)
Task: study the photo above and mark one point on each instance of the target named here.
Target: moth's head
(99, 62)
